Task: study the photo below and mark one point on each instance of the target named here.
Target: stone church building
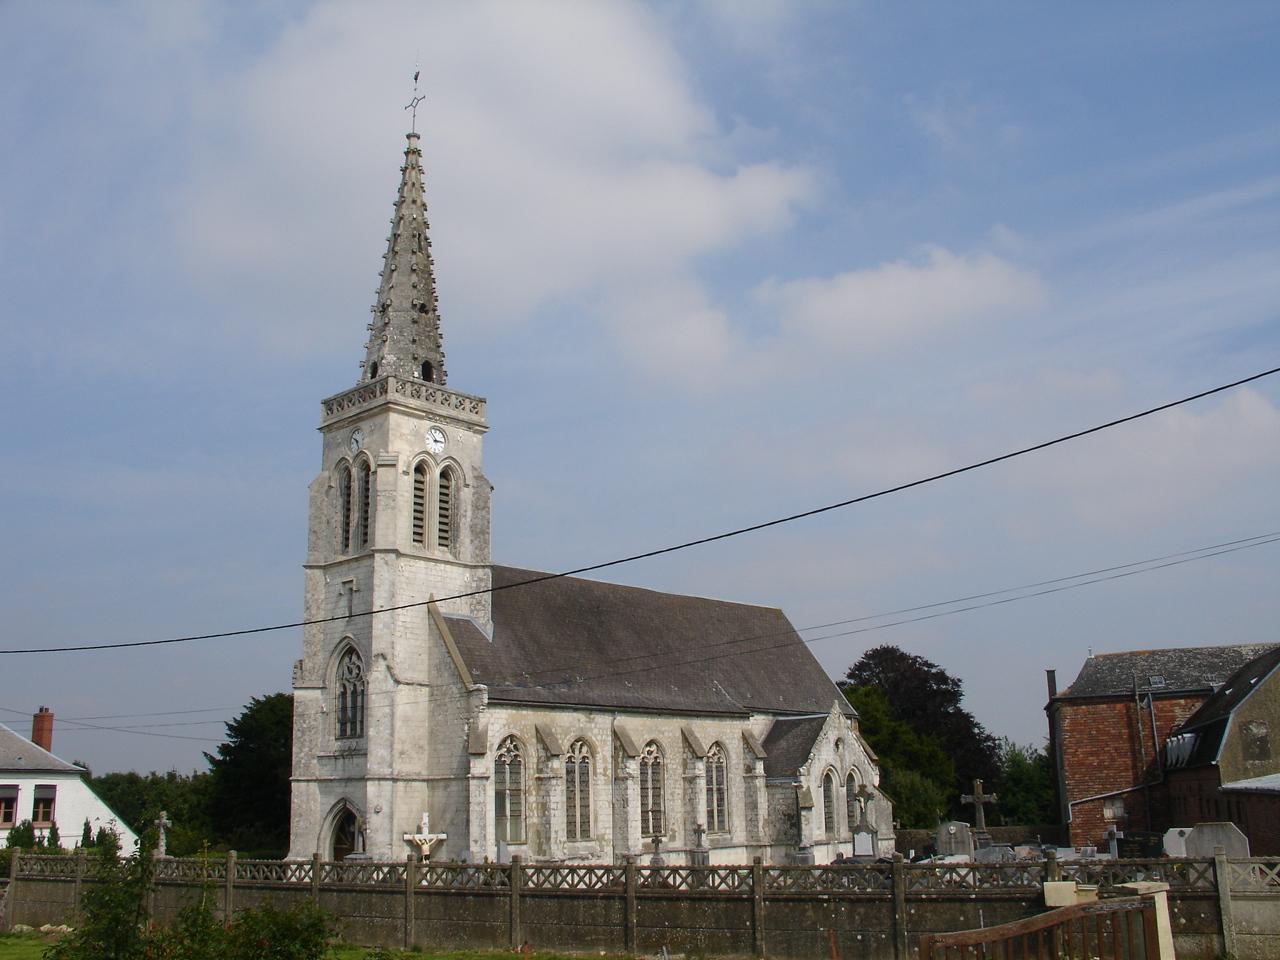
(477, 715)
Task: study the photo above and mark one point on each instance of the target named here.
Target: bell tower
(399, 513)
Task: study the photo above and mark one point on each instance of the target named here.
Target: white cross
(424, 839)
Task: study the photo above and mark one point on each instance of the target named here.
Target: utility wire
(87, 727)
(752, 528)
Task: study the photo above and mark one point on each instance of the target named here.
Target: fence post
(757, 906)
(517, 879)
(1052, 868)
(11, 895)
(410, 890)
(229, 889)
(900, 950)
(629, 911)
(1222, 880)
(80, 870)
(316, 869)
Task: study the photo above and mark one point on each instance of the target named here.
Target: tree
(1026, 784)
(138, 799)
(928, 699)
(86, 834)
(249, 787)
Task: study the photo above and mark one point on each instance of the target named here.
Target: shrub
(267, 933)
(23, 835)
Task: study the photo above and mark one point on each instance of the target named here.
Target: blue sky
(710, 263)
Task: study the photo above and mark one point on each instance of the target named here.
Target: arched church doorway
(346, 834)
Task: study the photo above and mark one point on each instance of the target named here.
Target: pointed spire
(404, 337)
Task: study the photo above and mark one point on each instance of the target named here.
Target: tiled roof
(1173, 670)
(789, 743)
(583, 642)
(1199, 739)
(20, 755)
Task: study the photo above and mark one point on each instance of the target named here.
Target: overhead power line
(90, 727)
(700, 541)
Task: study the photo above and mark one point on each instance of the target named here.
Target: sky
(711, 263)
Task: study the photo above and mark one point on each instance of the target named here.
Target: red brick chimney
(42, 728)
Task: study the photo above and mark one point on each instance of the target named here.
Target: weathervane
(412, 105)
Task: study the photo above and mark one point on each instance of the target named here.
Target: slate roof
(571, 641)
(20, 755)
(1175, 670)
(1208, 725)
(789, 744)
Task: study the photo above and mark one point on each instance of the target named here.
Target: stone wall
(877, 911)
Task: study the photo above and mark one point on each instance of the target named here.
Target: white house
(37, 786)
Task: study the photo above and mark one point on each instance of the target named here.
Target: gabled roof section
(583, 642)
(20, 755)
(1199, 740)
(1161, 672)
(789, 744)
(405, 331)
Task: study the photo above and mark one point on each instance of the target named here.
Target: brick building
(1107, 731)
(1223, 763)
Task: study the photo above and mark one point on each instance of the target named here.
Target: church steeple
(404, 336)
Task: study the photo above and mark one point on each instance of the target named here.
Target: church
(448, 706)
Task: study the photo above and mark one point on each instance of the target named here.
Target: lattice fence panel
(536, 877)
(862, 878)
(454, 876)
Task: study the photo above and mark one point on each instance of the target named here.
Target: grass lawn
(22, 947)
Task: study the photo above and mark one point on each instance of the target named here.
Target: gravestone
(1114, 837)
(699, 856)
(864, 837)
(1175, 841)
(864, 844)
(978, 800)
(162, 824)
(996, 853)
(1205, 836)
(1140, 845)
(954, 838)
(656, 860)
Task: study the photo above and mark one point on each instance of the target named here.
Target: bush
(267, 933)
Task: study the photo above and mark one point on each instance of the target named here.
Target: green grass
(23, 946)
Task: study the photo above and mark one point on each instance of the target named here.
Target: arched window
(362, 505)
(349, 681)
(508, 791)
(717, 798)
(428, 372)
(444, 509)
(651, 824)
(851, 805)
(577, 791)
(344, 522)
(829, 803)
(420, 482)
(373, 369)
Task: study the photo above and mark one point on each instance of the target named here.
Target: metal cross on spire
(412, 105)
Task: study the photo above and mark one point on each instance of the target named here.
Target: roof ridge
(630, 586)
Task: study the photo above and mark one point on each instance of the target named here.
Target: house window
(651, 791)
(1113, 809)
(420, 482)
(1257, 740)
(717, 805)
(351, 695)
(363, 498)
(444, 509)
(8, 804)
(829, 803)
(344, 492)
(577, 792)
(42, 810)
(508, 791)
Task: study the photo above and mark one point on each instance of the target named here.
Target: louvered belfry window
(651, 791)
(717, 800)
(420, 482)
(444, 510)
(363, 498)
(577, 787)
(508, 791)
(829, 803)
(344, 493)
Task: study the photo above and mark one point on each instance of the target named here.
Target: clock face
(356, 441)
(435, 440)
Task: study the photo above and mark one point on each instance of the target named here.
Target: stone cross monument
(162, 824)
(979, 800)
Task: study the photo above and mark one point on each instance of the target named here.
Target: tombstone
(996, 853)
(1140, 845)
(804, 855)
(1175, 841)
(978, 800)
(1205, 836)
(163, 823)
(1114, 837)
(954, 839)
(864, 844)
(864, 836)
(699, 856)
(656, 860)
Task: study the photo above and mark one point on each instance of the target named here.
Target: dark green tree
(138, 799)
(86, 834)
(53, 839)
(23, 835)
(249, 787)
(1026, 785)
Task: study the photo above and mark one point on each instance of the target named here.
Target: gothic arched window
(508, 791)
(651, 808)
(444, 509)
(349, 681)
(577, 791)
(829, 803)
(851, 799)
(363, 496)
(344, 520)
(717, 796)
(420, 482)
